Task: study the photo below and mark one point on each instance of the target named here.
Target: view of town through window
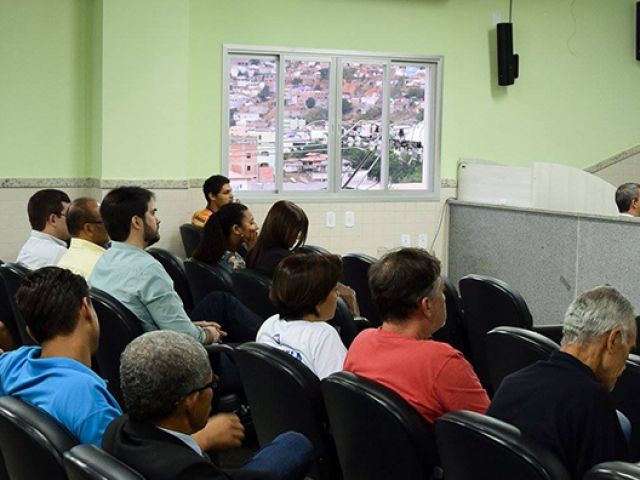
(280, 134)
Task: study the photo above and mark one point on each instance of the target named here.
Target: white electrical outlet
(331, 220)
(349, 219)
(405, 240)
(423, 241)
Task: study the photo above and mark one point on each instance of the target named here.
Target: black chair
(252, 289)
(625, 396)
(118, 326)
(11, 275)
(312, 249)
(204, 279)
(489, 303)
(191, 236)
(32, 443)
(474, 446)
(175, 268)
(614, 471)
(378, 435)
(552, 332)
(88, 462)
(510, 349)
(453, 331)
(285, 395)
(355, 269)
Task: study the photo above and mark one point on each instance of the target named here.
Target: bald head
(84, 221)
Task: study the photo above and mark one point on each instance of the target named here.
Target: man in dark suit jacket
(168, 385)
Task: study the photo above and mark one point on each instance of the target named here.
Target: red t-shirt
(432, 376)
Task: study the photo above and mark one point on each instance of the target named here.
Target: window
(337, 123)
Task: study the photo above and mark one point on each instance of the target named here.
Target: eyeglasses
(213, 385)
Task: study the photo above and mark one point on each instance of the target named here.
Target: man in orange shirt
(218, 192)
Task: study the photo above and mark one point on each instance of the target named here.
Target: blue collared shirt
(187, 439)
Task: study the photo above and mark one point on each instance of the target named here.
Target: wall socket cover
(405, 240)
(423, 241)
(349, 218)
(331, 220)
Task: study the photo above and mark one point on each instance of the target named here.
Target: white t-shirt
(41, 250)
(316, 344)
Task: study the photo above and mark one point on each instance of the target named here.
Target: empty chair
(191, 236)
(88, 462)
(118, 326)
(488, 303)
(32, 442)
(285, 395)
(378, 435)
(625, 396)
(474, 446)
(252, 289)
(453, 331)
(175, 268)
(11, 275)
(614, 471)
(355, 268)
(204, 279)
(510, 349)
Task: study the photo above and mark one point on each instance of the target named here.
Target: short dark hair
(49, 300)
(79, 214)
(215, 236)
(42, 204)
(120, 206)
(625, 195)
(400, 279)
(213, 185)
(301, 281)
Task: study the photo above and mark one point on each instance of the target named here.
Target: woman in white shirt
(305, 292)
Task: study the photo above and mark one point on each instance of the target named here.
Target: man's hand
(213, 330)
(348, 294)
(222, 431)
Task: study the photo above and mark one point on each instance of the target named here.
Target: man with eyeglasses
(168, 385)
(88, 237)
(45, 246)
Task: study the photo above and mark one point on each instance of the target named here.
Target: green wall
(132, 88)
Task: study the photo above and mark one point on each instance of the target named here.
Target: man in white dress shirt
(47, 215)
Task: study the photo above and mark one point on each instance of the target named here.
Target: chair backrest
(355, 269)
(614, 471)
(475, 446)
(312, 249)
(625, 396)
(453, 330)
(285, 395)
(489, 303)
(510, 349)
(191, 236)
(32, 443)
(11, 275)
(252, 289)
(175, 268)
(378, 435)
(204, 279)
(118, 327)
(88, 462)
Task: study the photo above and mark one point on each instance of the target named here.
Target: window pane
(407, 136)
(361, 110)
(306, 125)
(252, 122)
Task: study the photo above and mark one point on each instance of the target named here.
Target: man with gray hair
(628, 199)
(168, 385)
(564, 402)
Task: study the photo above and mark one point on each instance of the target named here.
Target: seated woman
(284, 229)
(224, 233)
(305, 292)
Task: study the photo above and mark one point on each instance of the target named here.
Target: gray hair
(158, 370)
(625, 195)
(595, 313)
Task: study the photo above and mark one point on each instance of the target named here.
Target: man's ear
(425, 307)
(614, 338)
(137, 223)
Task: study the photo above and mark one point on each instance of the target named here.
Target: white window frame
(334, 193)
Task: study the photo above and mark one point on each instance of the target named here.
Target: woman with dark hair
(284, 229)
(305, 293)
(224, 233)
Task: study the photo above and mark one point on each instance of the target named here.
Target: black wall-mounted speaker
(507, 61)
(638, 31)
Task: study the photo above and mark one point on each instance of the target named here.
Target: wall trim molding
(617, 158)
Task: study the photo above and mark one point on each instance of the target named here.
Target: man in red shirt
(433, 377)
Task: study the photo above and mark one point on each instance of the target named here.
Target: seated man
(88, 237)
(141, 284)
(432, 376)
(47, 243)
(168, 385)
(564, 402)
(57, 376)
(217, 192)
(628, 200)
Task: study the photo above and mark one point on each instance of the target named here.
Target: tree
(264, 93)
(324, 73)
(310, 102)
(315, 114)
(346, 106)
